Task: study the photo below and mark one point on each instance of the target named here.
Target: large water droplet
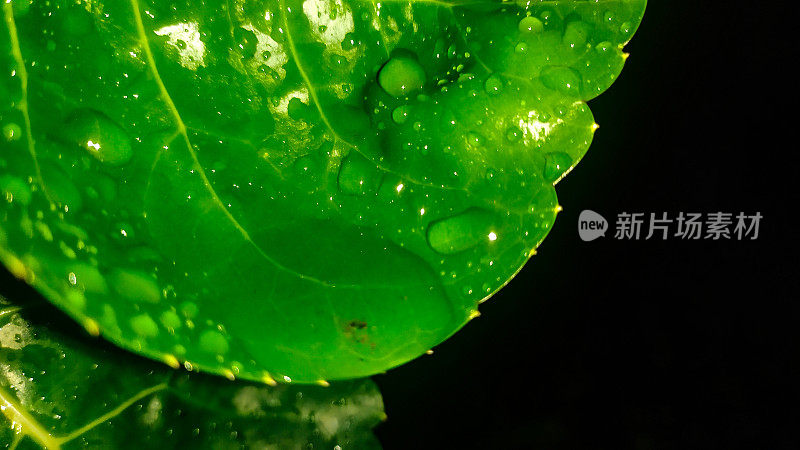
(562, 79)
(530, 25)
(401, 76)
(576, 34)
(460, 232)
(555, 166)
(101, 137)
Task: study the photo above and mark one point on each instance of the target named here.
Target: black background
(645, 344)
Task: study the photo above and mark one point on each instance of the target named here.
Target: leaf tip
(267, 379)
(92, 327)
(172, 361)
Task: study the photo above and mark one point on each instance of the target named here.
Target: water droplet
(88, 278)
(76, 300)
(460, 232)
(576, 34)
(555, 165)
(269, 72)
(493, 84)
(336, 61)
(531, 24)
(401, 76)
(189, 310)
(475, 139)
(214, 342)
(246, 42)
(562, 79)
(452, 51)
(358, 175)
(513, 134)
(170, 320)
(100, 136)
(12, 132)
(144, 326)
(521, 48)
(400, 114)
(135, 286)
(604, 46)
(15, 189)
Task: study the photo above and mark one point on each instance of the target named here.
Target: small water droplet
(214, 342)
(513, 134)
(189, 310)
(12, 132)
(170, 320)
(144, 326)
(103, 138)
(493, 84)
(400, 114)
(475, 139)
(337, 61)
(135, 286)
(603, 47)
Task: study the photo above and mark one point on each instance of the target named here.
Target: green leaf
(290, 190)
(58, 391)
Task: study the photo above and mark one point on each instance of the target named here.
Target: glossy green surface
(58, 391)
(290, 190)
